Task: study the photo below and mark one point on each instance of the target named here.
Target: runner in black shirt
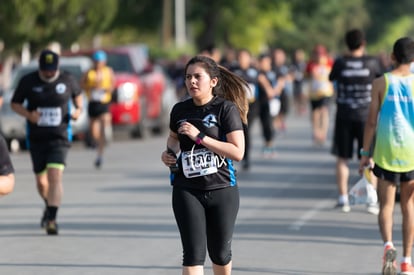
(47, 93)
(6, 169)
(207, 133)
(249, 73)
(270, 87)
(353, 74)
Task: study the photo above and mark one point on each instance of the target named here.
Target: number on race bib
(198, 163)
(97, 95)
(251, 92)
(49, 116)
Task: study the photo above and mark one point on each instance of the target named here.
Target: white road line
(308, 215)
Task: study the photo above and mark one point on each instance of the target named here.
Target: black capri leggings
(206, 219)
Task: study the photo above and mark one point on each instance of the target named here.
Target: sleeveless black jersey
(197, 164)
(353, 78)
(52, 100)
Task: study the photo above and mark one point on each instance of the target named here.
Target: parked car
(159, 94)
(13, 126)
(144, 94)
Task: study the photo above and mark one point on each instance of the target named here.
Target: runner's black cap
(48, 61)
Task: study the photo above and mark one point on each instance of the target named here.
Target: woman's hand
(33, 116)
(188, 129)
(76, 114)
(364, 162)
(168, 158)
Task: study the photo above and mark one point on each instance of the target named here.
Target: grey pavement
(118, 220)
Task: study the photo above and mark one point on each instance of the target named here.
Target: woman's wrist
(200, 138)
(364, 153)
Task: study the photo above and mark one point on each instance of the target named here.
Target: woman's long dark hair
(230, 86)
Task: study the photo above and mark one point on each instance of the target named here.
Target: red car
(126, 103)
(158, 95)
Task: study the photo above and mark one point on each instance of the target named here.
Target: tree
(323, 22)
(239, 23)
(138, 20)
(39, 22)
(387, 27)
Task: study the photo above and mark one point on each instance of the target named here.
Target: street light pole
(180, 37)
(167, 23)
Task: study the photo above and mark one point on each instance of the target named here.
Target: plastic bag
(363, 192)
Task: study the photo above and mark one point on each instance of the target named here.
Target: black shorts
(394, 177)
(319, 103)
(96, 109)
(47, 153)
(346, 132)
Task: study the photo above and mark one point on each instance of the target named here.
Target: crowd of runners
(221, 95)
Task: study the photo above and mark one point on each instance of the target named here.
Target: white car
(13, 126)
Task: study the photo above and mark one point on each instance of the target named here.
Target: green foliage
(39, 22)
(143, 15)
(401, 26)
(248, 30)
(324, 22)
(252, 24)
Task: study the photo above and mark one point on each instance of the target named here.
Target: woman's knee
(221, 258)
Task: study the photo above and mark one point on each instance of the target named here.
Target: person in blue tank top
(391, 122)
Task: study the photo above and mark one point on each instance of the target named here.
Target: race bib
(321, 88)
(197, 163)
(274, 106)
(97, 95)
(251, 92)
(49, 116)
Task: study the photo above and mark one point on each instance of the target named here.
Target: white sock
(406, 260)
(388, 243)
(343, 199)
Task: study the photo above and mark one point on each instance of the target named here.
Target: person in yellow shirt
(320, 93)
(99, 84)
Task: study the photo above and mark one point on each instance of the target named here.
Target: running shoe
(389, 264)
(343, 206)
(52, 228)
(98, 162)
(43, 220)
(407, 269)
(373, 209)
(268, 152)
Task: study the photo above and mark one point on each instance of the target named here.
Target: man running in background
(47, 92)
(353, 74)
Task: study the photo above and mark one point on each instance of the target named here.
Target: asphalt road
(118, 220)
